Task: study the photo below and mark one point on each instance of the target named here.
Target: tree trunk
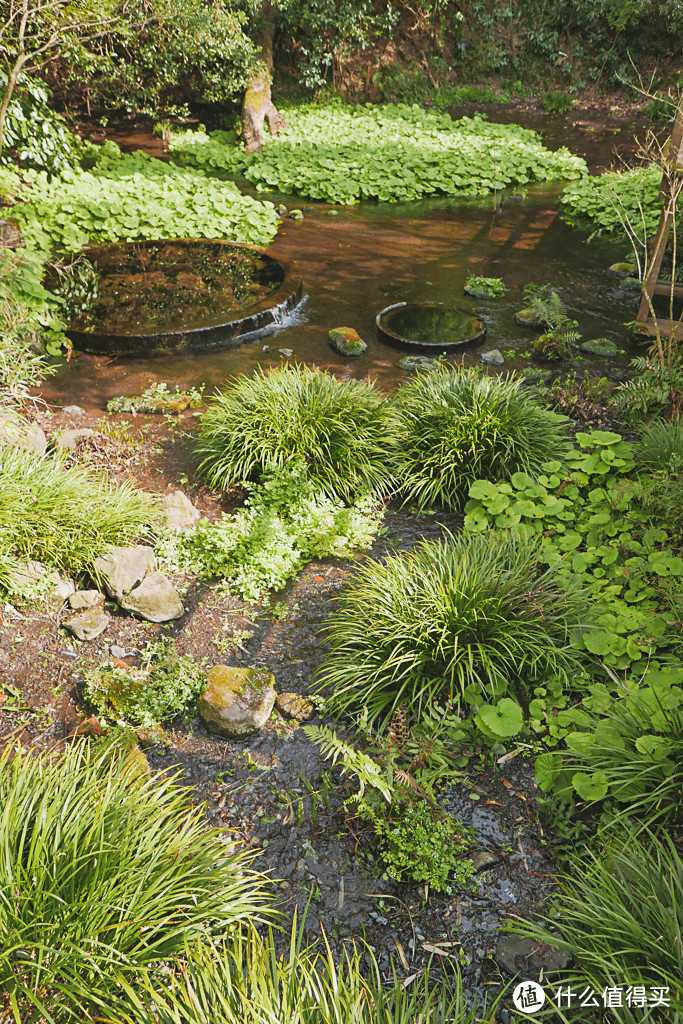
(12, 79)
(258, 107)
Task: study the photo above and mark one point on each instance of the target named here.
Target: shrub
(296, 415)
(65, 517)
(465, 617)
(286, 523)
(104, 875)
(621, 916)
(165, 686)
(456, 426)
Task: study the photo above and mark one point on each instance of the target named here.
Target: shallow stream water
(357, 260)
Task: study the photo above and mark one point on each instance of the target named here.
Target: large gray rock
(84, 600)
(154, 599)
(494, 357)
(34, 577)
(14, 429)
(122, 569)
(67, 440)
(179, 512)
(518, 955)
(237, 701)
(88, 625)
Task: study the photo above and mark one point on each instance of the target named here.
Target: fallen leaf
(493, 803)
(401, 952)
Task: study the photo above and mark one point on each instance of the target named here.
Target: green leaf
(591, 787)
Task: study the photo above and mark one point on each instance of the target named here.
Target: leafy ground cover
(134, 196)
(605, 200)
(392, 153)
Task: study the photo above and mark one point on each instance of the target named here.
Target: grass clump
(468, 618)
(286, 523)
(456, 426)
(105, 874)
(167, 684)
(65, 517)
(296, 415)
(621, 916)
(247, 981)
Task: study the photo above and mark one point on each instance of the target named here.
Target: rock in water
(88, 625)
(419, 363)
(154, 599)
(179, 512)
(346, 341)
(122, 569)
(237, 701)
(494, 357)
(621, 269)
(599, 347)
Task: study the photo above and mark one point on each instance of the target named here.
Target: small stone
(117, 652)
(34, 577)
(418, 363)
(599, 347)
(124, 568)
(484, 859)
(527, 318)
(346, 341)
(154, 599)
(88, 625)
(293, 705)
(14, 429)
(286, 352)
(332, 213)
(67, 440)
(73, 410)
(179, 512)
(494, 357)
(266, 348)
(281, 210)
(518, 955)
(621, 269)
(81, 600)
(296, 215)
(237, 701)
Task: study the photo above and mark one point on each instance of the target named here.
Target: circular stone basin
(428, 327)
(182, 295)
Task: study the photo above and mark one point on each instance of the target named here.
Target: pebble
(266, 348)
(73, 410)
(117, 652)
(286, 352)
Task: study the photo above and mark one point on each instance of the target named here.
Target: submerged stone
(599, 347)
(419, 363)
(527, 318)
(237, 701)
(346, 341)
(494, 357)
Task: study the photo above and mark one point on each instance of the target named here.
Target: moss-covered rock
(421, 363)
(621, 269)
(237, 701)
(527, 318)
(599, 347)
(346, 341)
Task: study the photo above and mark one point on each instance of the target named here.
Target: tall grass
(660, 447)
(104, 872)
(62, 516)
(247, 982)
(471, 611)
(455, 426)
(296, 415)
(620, 914)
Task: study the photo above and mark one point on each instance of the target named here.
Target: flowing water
(357, 260)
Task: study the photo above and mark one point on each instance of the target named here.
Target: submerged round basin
(181, 295)
(428, 326)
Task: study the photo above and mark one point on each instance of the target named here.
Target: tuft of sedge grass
(454, 426)
(620, 913)
(248, 980)
(105, 873)
(296, 415)
(474, 611)
(65, 516)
